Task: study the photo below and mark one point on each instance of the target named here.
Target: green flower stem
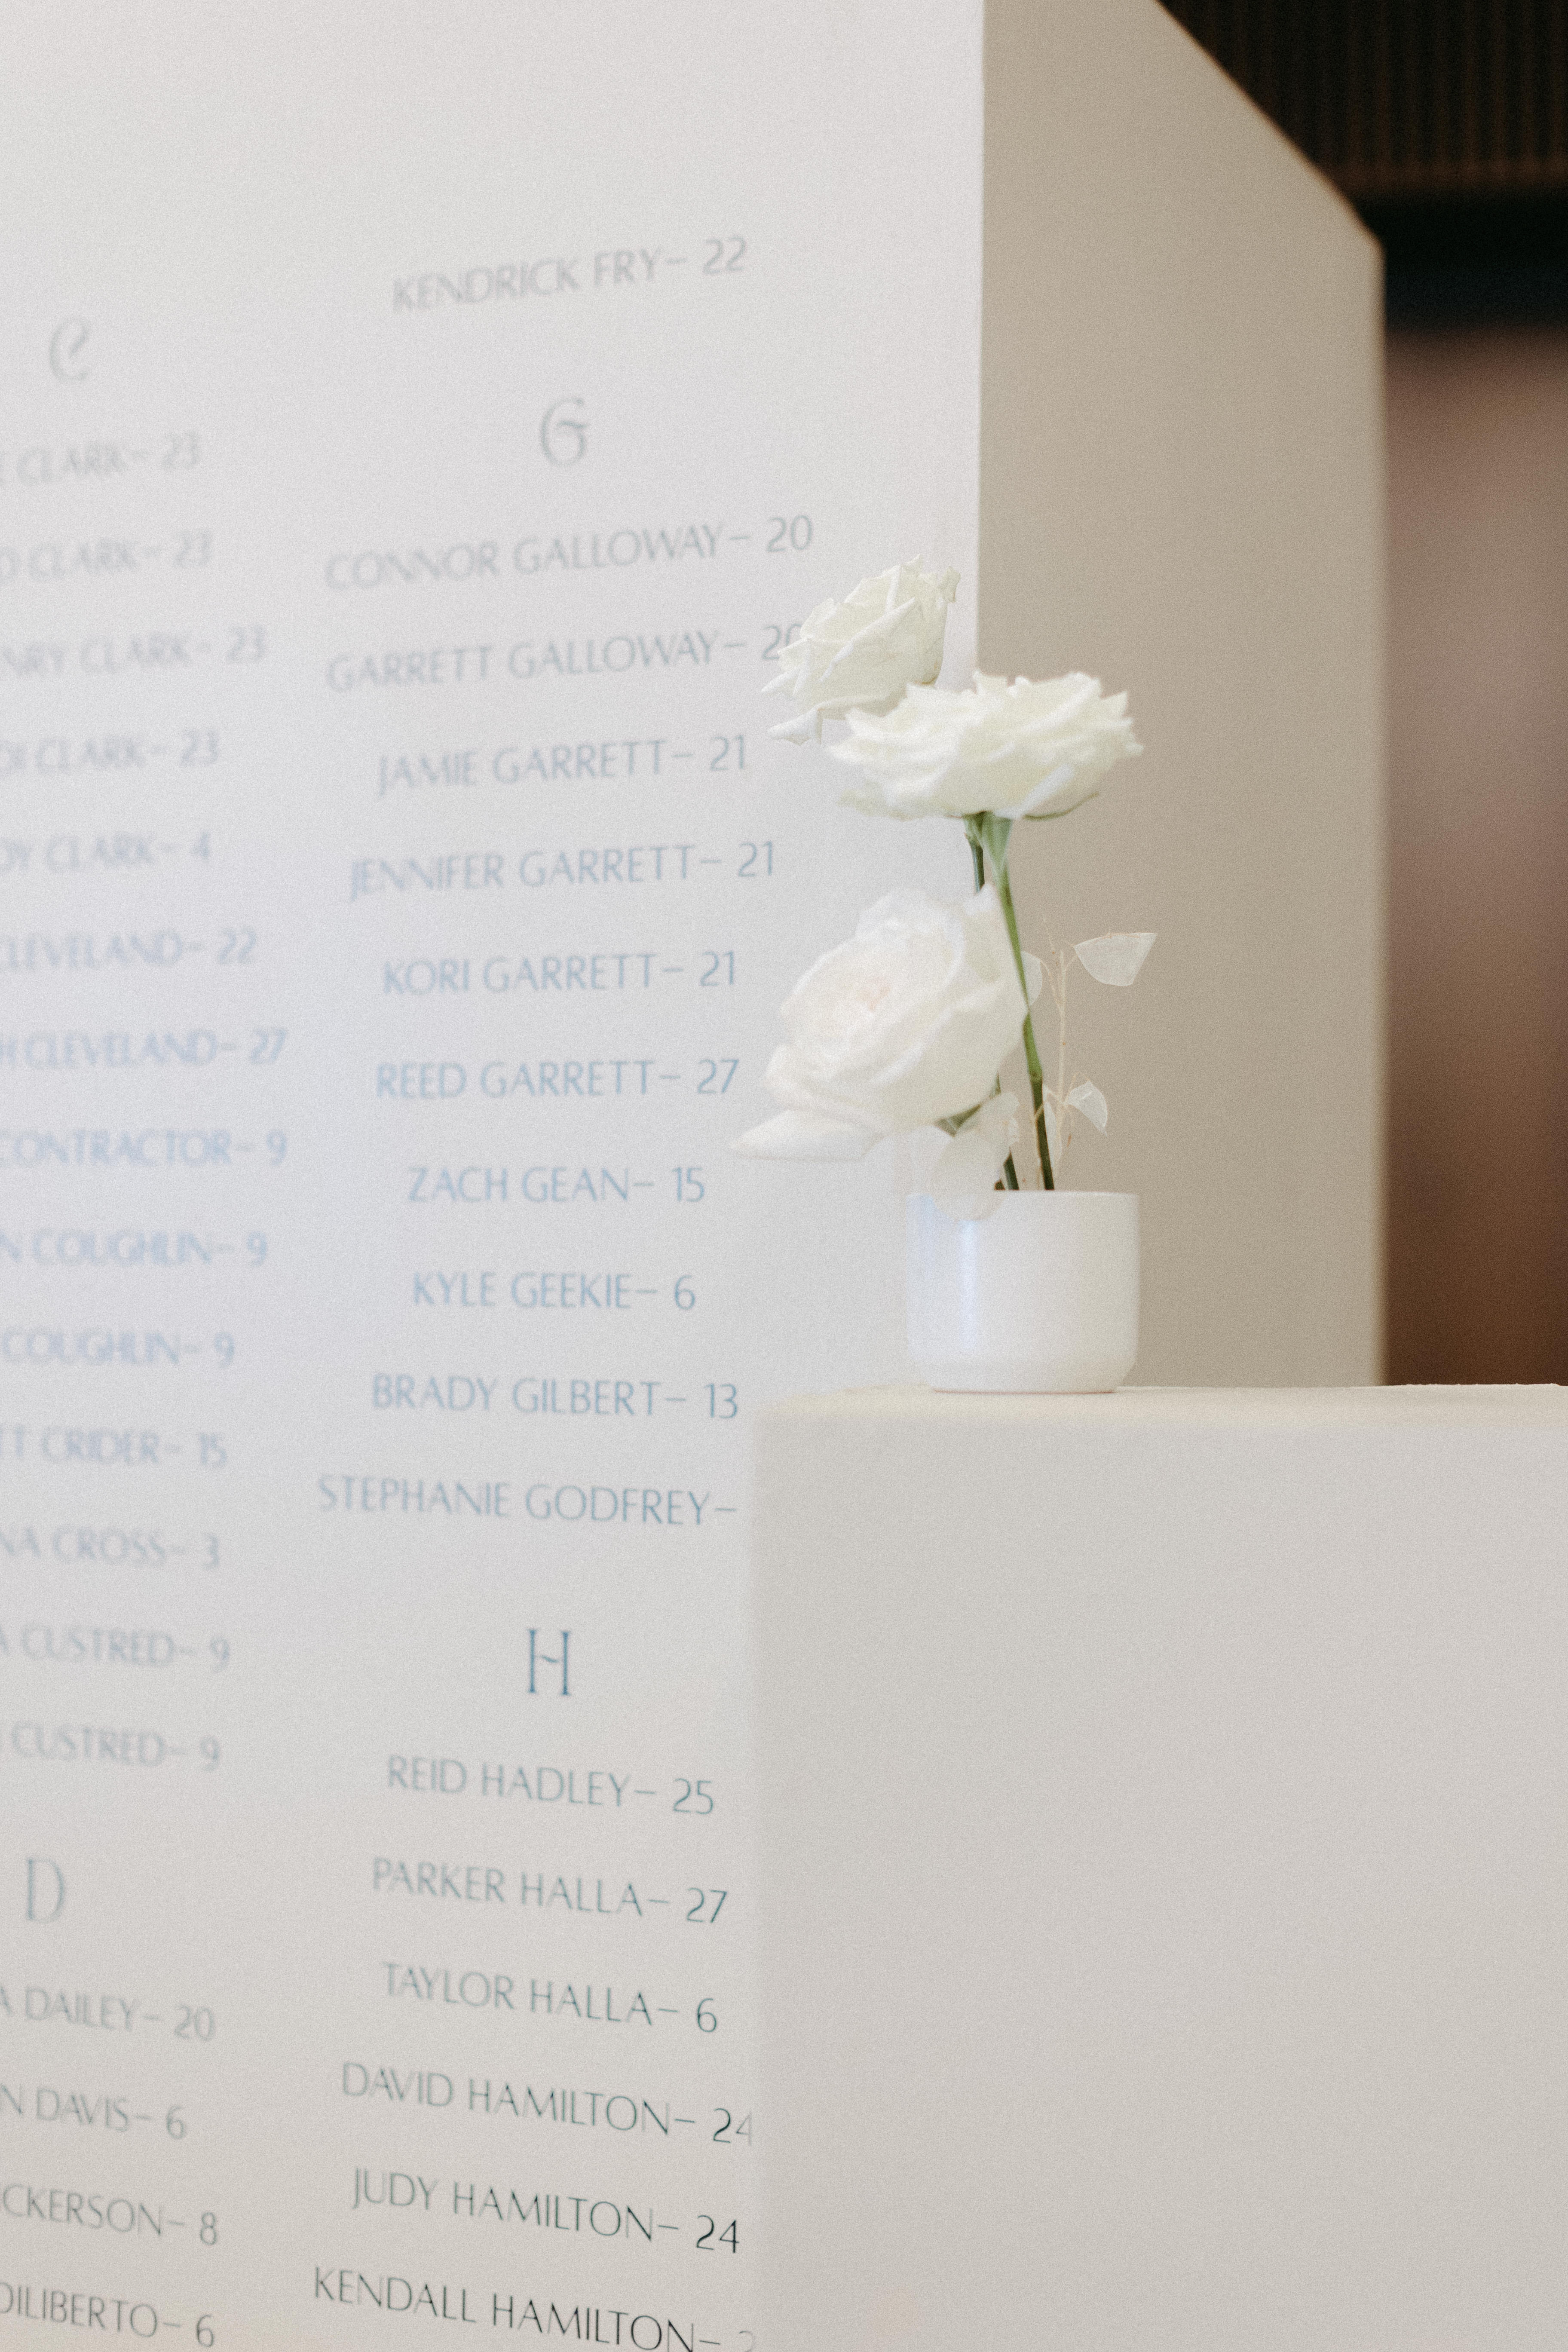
(977, 851)
(1031, 1051)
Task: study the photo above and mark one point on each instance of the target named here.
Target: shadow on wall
(1477, 1235)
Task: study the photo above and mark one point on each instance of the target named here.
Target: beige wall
(1181, 490)
(1478, 676)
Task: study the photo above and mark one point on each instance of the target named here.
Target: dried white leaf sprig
(1115, 959)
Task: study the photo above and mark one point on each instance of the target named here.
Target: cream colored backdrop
(1181, 490)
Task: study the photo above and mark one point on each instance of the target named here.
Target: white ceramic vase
(1041, 1294)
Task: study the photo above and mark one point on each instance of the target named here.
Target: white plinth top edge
(1370, 1408)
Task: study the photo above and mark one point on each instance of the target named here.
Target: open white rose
(904, 1025)
(860, 655)
(1018, 749)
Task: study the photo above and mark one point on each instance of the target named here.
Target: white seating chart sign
(417, 430)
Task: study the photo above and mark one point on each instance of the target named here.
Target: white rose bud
(903, 1026)
(1019, 749)
(860, 655)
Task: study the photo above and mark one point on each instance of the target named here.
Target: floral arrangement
(906, 1025)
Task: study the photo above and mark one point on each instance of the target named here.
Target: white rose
(903, 1027)
(862, 654)
(1019, 749)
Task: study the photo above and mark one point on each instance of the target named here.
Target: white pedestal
(1164, 1817)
